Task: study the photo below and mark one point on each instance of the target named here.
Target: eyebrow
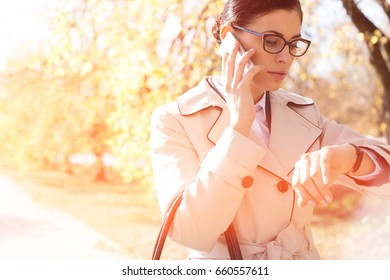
(281, 35)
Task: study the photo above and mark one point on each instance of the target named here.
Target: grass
(129, 216)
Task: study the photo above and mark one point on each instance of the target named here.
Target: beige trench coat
(193, 150)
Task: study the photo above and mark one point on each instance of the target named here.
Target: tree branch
(386, 7)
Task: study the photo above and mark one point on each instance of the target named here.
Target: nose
(284, 56)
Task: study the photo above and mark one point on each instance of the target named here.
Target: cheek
(263, 80)
(261, 57)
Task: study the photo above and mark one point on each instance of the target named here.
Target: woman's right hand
(237, 86)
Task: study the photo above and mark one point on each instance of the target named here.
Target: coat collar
(293, 130)
(200, 97)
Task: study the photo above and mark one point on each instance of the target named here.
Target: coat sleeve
(211, 185)
(336, 134)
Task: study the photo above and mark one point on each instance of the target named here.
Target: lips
(278, 75)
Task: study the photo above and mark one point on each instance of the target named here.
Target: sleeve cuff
(233, 158)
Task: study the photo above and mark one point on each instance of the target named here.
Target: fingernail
(328, 198)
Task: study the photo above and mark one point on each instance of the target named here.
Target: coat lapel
(291, 133)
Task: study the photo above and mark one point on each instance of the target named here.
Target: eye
(272, 40)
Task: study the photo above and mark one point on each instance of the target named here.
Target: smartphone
(227, 46)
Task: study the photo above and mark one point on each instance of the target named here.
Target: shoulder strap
(230, 234)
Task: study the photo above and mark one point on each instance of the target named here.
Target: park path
(29, 231)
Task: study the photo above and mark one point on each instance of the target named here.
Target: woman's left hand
(315, 172)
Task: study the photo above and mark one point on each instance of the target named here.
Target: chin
(273, 88)
(269, 86)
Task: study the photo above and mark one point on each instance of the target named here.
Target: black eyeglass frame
(263, 36)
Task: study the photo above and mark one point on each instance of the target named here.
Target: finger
(224, 67)
(241, 66)
(326, 173)
(230, 68)
(253, 72)
(325, 166)
(309, 189)
(224, 61)
(304, 197)
(322, 193)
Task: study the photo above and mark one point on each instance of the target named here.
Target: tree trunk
(379, 57)
(100, 170)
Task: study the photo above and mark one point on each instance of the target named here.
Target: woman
(264, 170)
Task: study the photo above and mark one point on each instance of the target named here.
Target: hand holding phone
(227, 46)
(238, 82)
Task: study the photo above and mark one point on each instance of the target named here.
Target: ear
(224, 30)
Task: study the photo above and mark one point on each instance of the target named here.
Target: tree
(379, 46)
(173, 48)
(336, 71)
(67, 98)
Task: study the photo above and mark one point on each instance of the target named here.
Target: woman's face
(281, 22)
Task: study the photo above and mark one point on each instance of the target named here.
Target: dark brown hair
(243, 12)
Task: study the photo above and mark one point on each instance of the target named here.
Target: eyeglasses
(275, 44)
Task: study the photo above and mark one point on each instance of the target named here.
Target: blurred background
(80, 78)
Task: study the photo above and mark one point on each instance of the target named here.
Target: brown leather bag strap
(166, 224)
(232, 243)
(230, 234)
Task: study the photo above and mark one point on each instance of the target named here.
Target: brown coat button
(247, 182)
(282, 186)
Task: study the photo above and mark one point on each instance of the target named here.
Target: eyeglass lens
(275, 44)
